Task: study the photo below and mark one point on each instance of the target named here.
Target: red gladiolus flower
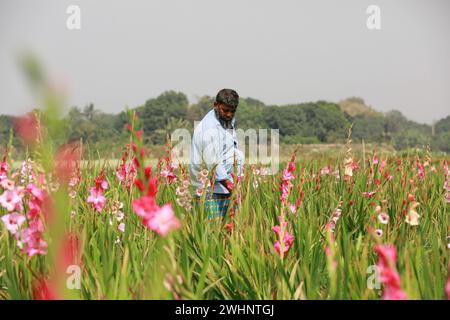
(152, 187)
(229, 226)
(148, 172)
(138, 182)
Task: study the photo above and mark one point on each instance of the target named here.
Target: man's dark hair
(228, 97)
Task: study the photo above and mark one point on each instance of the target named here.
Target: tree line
(303, 123)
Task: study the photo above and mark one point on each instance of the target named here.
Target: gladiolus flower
(383, 218)
(13, 221)
(32, 239)
(7, 184)
(412, 217)
(288, 239)
(447, 185)
(388, 274)
(163, 220)
(11, 200)
(96, 196)
(447, 197)
(369, 194)
(144, 206)
(334, 219)
(3, 169)
(293, 208)
(199, 192)
(97, 199)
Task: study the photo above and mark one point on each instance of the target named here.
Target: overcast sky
(276, 51)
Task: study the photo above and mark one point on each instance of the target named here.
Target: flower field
(316, 230)
(348, 226)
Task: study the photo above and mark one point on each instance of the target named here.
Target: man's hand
(228, 184)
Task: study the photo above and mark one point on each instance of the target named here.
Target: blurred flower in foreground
(388, 274)
(44, 290)
(28, 128)
(162, 220)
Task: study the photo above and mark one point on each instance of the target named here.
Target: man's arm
(227, 184)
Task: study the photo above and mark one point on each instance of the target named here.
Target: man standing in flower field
(215, 146)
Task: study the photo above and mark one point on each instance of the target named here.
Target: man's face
(225, 112)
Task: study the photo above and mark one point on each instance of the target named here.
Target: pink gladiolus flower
(7, 184)
(355, 165)
(276, 229)
(32, 239)
(121, 227)
(369, 194)
(96, 196)
(163, 220)
(421, 172)
(11, 200)
(288, 239)
(447, 185)
(97, 199)
(119, 216)
(167, 174)
(383, 218)
(287, 175)
(286, 186)
(447, 197)
(293, 208)
(126, 172)
(334, 219)
(13, 221)
(145, 206)
(3, 169)
(388, 274)
(35, 191)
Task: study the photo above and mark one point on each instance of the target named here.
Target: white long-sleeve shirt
(212, 145)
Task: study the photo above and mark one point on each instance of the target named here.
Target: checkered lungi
(216, 204)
